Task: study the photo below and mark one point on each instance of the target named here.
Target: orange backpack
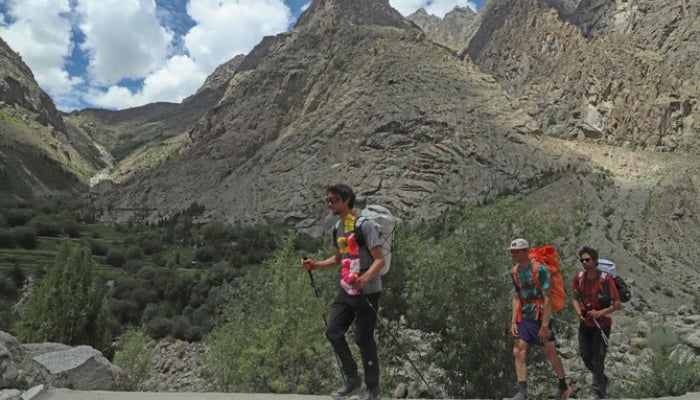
(546, 255)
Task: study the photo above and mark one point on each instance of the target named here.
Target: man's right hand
(514, 329)
(308, 264)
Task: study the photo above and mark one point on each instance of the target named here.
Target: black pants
(592, 348)
(344, 311)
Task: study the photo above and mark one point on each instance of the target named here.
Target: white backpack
(385, 223)
(607, 266)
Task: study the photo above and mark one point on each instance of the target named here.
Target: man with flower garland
(361, 259)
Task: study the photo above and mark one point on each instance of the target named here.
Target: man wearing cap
(531, 321)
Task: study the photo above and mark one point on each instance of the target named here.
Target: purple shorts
(528, 330)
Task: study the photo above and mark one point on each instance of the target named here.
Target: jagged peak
(358, 12)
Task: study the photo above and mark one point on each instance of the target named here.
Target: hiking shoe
(372, 394)
(564, 394)
(352, 385)
(518, 396)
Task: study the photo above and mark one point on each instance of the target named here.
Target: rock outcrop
(23, 366)
(617, 72)
(455, 30)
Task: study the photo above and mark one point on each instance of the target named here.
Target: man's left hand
(359, 283)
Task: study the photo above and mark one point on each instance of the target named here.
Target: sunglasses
(583, 260)
(332, 199)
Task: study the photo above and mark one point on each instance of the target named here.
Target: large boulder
(10, 356)
(80, 368)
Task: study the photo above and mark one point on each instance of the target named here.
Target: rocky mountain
(39, 153)
(619, 71)
(455, 30)
(342, 98)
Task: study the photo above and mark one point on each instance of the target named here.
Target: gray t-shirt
(371, 236)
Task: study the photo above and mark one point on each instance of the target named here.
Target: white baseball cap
(519, 244)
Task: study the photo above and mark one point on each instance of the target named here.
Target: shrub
(159, 327)
(670, 374)
(7, 239)
(18, 216)
(205, 254)
(134, 253)
(45, 225)
(115, 258)
(134, 354)
(151, 244)
(25, 237)
(99, 248)
(215, 231)
(70, 227)
(125, 311)
(17, 275)
(662, 338)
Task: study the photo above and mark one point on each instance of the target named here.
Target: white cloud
(123, 38)
(133, 57)
(225, 29)
(435, 7)
(41, 33)
(178, 78)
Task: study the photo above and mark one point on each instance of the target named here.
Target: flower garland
(350, 251)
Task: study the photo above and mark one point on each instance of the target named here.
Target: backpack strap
(335, 231)
(579, 286)
(359, 235)
(580, 279)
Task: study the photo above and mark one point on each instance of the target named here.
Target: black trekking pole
(606, 340)
(398, 344)
(323, 315)
(602, 332)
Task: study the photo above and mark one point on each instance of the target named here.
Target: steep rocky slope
(39, 153)
(619, 71)
(455, 30)
(341, 98)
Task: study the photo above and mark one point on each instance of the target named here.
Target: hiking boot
(518, 396)
(563, 394)
(352, 385)
(372, 394)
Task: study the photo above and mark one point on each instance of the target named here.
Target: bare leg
(519, 353)
(550, 352)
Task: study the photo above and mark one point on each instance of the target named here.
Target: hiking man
(531, 321)
(358, 296)
(595, 297)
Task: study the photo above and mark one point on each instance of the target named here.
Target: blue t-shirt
(529, 289)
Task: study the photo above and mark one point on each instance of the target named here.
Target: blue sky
(117, 54)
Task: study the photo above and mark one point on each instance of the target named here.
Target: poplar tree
(67, 306)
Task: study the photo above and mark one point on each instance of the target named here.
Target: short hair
(344, 191)
(591, 251)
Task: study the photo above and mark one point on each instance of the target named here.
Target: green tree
(67, 306)
(450, 278)
(272, 337)
(134, 353)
